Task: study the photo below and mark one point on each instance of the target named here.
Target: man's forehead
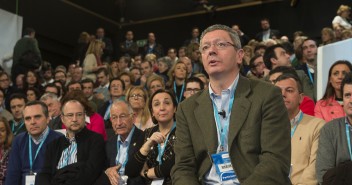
(287, 83)
(215, 35)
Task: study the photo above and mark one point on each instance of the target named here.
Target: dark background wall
(58, 24)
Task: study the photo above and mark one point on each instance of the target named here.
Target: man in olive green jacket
(258, 138)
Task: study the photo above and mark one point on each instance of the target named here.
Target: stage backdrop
(10, 32)
(327, 55)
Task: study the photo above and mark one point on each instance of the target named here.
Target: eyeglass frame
(115, 118)
(220, 45)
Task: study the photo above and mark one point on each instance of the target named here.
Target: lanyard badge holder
(30, 179)
(221, 159)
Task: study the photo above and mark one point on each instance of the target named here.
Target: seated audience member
(204, 79)
(126, 142)
(307, 104)
(19, 83)
(113, 69)
(164, 65)
(77, 75)
(341, 19)
(257, 67)
(74, 86)
(77, 158)
(147, 71)
(28, 148)
(305, 132)
(137, 97)
(334, 151)
(330, 106)
(93, 120)
(276, 56)
(155, 83)
(156, 157)
(124, 63)
(88, 88)
(54, 107)
(189, 65)
(127, 78)
(102, 91)
(178, 76)
(5, 147)
(260, 49)
(17, 104)
(136, 72)
(327, 36)
(32, 79)
(52, 88)
(60, 76)
(32, 94)
(116, 90)
(8, 89)
(3, 112)
(193, 85)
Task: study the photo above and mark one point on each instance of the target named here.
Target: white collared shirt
(222, 103)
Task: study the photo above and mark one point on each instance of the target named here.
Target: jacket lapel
(205, 118)
(240, 109)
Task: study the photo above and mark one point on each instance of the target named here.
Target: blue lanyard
(181, 94)
(293, 130)
(118, 149)
(161, 150)
(222, 131)
(310, 74)
(18, 129)
(36, 153)
(348, 139)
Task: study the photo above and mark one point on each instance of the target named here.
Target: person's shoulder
(312, 121)
(21, 137)
(334, 124)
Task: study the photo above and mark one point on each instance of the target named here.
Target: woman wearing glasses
(156, 157)
(137, 97)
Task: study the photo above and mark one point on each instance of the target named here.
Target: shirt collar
(128, 139)
(41, 137)
(231, 88)
(295, 120)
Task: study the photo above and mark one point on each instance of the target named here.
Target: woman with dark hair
(33, 94)
(5, 146)
(330, 106)
(156, 157)
(94, 121)
(31, 79)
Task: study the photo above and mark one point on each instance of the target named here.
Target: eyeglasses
(136, 96)
(78, 115)
(122, 117)
(192, 90)
(220, 45)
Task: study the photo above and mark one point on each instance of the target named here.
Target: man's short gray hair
(118, 101)
(47, 96)
(233, 35)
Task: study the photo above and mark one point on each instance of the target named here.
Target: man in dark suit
(107, 48)
(128, 47)
(129, 140)
(266, 32)
(54, 106)
(238, 124)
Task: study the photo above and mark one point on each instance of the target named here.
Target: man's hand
(113, 175)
